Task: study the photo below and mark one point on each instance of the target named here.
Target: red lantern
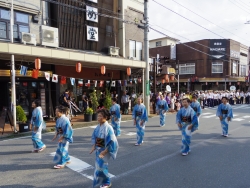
(35, 73)
(172, 77)
(78, 67)
(38, 63)
(128, 71)
(166, 77)
(103, 69)
(163, 81)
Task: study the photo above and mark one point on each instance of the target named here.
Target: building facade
(61, 34)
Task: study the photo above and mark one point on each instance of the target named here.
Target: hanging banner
(23, 70)
(35, 73)
(55, 78)
(95, 83)
(92, 33)
(63, 80)
(113, 84)
(92, 14)
(101, 83)
(173, 52)
(80, 82)
(47, 75)
(72, 80)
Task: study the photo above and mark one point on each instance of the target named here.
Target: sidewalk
(77, 122)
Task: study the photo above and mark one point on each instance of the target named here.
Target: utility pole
(146, 57)
(178, 77)
(13, 71)
(155, 70)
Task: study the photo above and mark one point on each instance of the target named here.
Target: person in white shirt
(242, 95)
(237, 95)
(247, 95)
(125, 103)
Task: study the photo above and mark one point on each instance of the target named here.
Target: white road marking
(130, 134)
(93, 127)
(209, 116)
(246, 117)
(206, 113)
(80, 166)
(238, 119)
(238, 107)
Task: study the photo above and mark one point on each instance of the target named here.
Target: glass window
(15, 32)
(243, 70)
(135, 49)
(3, 30)
(23, 18)
(217, 67)
(131, 48)
(158, 43)
(23, 28)
(5, 14)
(234, 68)
(138, 51)
(188, 68)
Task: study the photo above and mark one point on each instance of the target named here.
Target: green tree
(94, 100)
(20, 114)
(108, 101)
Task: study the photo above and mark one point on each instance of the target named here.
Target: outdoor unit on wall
(49, 36)
(28, 38)
(114, 51)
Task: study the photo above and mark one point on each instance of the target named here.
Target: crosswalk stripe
(209, 116)
(80, 166)
(206, 113)
(238, 119)
(130, 134)
(246, 117)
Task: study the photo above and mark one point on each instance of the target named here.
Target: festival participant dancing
(140, 118)
(187, 122)
(105, 144)
(115, 117)
(161, 109)
(36, 124)
(225, 113)
(196, 107)
(64, 132)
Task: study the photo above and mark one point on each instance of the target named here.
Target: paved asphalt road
(214, 162)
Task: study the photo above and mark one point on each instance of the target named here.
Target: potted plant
(108, 101)
(88, 114)
(22, 119)
(95, 104)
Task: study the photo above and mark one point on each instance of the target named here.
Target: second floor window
(21, 24)
(217, 67)
(158, 43)
(135, 50)
(234, 67)
(188, 68)
(243, 70)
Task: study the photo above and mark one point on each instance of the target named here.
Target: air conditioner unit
(114, 51)
(49, 36)
(28, 38)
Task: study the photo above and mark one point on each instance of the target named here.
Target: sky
(224, 19)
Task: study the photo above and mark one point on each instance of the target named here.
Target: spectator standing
(125, 103)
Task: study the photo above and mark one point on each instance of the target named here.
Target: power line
(244, 3)
(206, 19)
(239, 7)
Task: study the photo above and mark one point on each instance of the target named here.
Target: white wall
(164, 42)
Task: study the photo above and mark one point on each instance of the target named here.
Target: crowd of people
(104, 138)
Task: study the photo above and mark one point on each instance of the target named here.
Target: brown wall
(86, 73)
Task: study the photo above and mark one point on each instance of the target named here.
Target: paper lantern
(166, 77)
(103, 69)
(35, 73)
(37, 63)
(172, 77)
(163, 81)
(128, 71)
(78, 67)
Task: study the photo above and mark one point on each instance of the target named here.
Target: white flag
(113, 84)
(72, 80)
(47, 75)
(95, 82)
(55, 78)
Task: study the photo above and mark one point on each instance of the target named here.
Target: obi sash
(138, 113)
(224, 111)
(59, 130)
(100, 142)
(195, 109)
(161, 106)
(112, 112)
(186, 118)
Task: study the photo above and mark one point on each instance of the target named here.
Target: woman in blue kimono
(140, 118)
(225, 113)
(105, 144)
(186, 120)
(161, 109)
(36, 124)
(196, 107)
(115, 117)
(64, 132)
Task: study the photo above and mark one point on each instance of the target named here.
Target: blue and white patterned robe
(103, 138)
(63, 127)
(191, 117)
(116, 118)
(224, 122)
(162, 108)
(140, 114)
(36, 122)
(197, 108)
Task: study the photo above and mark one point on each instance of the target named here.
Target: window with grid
(21, 24)
(234, 68)
(135, 50)
(217, 67)
(158, 43)
(188, 68)
(243, 70)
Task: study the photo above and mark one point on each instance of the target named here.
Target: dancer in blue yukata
(225, 113)
(187, 122)
(115, 117)
(65, 133)
(105, 144)
(36, 124)
(196, 107)
(161, 109)
(140, 118)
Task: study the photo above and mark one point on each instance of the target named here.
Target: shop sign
(92, 33)
(91, 14)
(218, 48)
(235, 54)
